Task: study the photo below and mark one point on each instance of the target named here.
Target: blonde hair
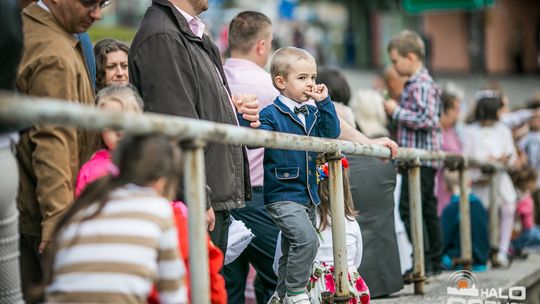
(126, 96)
(368, 108)
(284, 58)
(118, 94)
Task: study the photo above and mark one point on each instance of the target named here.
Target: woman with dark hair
(111, 63)
(488, 139)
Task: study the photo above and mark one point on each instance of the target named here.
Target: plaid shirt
(417, 115)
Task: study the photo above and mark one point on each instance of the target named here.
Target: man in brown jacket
(50, 156)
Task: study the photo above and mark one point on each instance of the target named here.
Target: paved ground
(518, 88)
(521, 273)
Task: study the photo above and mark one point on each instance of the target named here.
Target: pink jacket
(98, 166)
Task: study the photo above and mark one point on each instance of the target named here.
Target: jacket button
(286, 174)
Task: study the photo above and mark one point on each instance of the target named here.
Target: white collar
(43, 5)
(188, 17)
(291, 104)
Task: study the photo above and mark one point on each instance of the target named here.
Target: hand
(389, 106)
(387, 142)
(42, 246)
(210, 219)
(248, 106)
(318, 92)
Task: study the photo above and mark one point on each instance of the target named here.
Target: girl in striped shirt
(119, 237)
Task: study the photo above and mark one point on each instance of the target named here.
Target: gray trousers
(299, 245)
(10, 278)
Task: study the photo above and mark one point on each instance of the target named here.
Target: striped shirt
(118, 255)
(530, 144)
(417, 115)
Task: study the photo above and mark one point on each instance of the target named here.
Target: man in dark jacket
(178, 71)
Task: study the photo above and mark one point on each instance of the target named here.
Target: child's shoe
(297, 299)
(274, 299)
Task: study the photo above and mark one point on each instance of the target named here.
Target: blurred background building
(463, 36)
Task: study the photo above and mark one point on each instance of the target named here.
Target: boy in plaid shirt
(417, 120)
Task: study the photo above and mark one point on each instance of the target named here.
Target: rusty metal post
(342, 294)
(195, 196)
(465, 218)
(417, 227)
(493, 217)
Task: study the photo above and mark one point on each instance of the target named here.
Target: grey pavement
(518, 88)
(520, 273)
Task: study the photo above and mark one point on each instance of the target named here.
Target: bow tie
(303, 109)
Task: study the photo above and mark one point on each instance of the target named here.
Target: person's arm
(349, 133)
(359, 243)
(329, 123)
(171, 272)
(516, 118)
(426, 115)
(55, 147)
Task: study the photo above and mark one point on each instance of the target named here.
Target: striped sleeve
(171, 283)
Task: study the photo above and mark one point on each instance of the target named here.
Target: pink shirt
(246, 77)
(525, 210)
(450, 143)
(98, 166)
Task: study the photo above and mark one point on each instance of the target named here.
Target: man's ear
(260, 47)
(280, 82)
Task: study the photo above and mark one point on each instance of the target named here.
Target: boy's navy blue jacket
(291, 175)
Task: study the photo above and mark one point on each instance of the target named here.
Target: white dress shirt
(291, 104)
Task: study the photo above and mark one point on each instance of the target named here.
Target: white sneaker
(274, 299)
(297, 299)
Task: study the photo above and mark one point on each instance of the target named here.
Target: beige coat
(50, 156)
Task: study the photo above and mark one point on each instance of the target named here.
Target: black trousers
(433, 245)
(259, 253)
(31, 266)
(220, 234)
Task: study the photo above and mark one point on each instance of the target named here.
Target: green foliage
(124, 34)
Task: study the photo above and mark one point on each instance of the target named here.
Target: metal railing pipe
(493, 210)
(195, 196)
(465, 219)
(339, 245)
(417, 230)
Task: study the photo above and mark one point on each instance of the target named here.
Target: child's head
(406, 51)
(324, 193)
(451, 108)
(488, 106)
(117, 98)
(136, 163)
(524, 178)
(293, 72)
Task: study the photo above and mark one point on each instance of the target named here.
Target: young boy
(290, 181)
(417, 120)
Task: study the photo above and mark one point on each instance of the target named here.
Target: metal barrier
(17, 112)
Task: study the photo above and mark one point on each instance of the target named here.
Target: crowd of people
(98, 217)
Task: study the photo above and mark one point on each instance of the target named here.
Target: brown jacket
(50, 156)
(178, 73)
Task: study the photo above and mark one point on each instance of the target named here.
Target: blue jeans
(528, 238)
(259, 253)
(299, 244)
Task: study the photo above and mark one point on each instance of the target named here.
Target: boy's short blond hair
(283, 58)
(407, 42)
